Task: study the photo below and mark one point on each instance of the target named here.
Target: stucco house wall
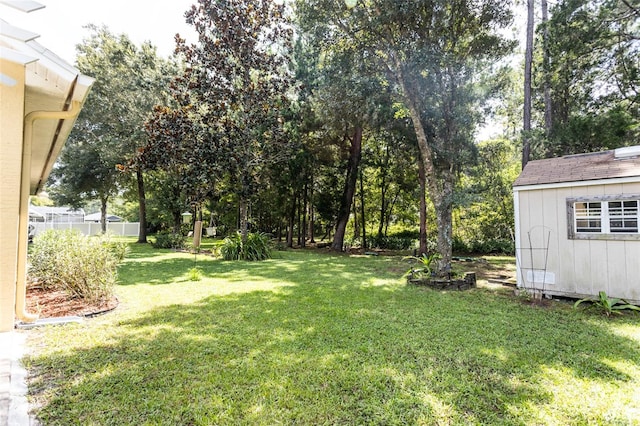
(40, 98)
(12, 115)
(565, 249)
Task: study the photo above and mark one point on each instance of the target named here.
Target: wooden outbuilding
(576, 225)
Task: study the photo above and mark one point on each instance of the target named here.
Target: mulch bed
(57, 303)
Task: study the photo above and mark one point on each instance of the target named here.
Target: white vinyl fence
(127, 229)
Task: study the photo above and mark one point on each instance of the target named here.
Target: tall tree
(349, 189)
(592, 71)
(238, 76)
(432, 51)
(129, 81)
(485, 191)
(350, 99)
(528, 63)
(179, 158)
(546, 83)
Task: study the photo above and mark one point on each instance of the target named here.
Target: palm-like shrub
(256, 247)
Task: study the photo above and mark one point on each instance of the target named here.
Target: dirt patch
(57, 303)
(503, 273)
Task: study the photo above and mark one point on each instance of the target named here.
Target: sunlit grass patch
(319, 338)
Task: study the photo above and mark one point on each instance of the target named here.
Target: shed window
(588, 217)
(604, 216)
(623, 216)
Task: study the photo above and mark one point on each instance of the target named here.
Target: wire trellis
(534, 245)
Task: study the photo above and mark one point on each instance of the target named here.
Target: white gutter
(25, 190)
(573, 184)
(23, 5)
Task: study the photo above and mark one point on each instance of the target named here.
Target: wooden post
(197, 234)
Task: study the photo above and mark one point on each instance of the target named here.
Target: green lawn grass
(318, 338)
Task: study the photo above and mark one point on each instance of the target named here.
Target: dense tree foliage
(352, 122)
(237, 77)
(432, 53)
(129, 81)
(593, 76)
(484, 209)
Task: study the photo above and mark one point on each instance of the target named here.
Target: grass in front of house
(318, 338)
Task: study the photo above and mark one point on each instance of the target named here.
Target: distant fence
(127, 229)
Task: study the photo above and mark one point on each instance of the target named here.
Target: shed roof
(620, 163)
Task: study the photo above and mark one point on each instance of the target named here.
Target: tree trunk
(312, 224)
(243, 211)
(423, 207)
(142, 206)
(528, 60)
(177, 221)
(439, 182)
(299, 214)
(383, 193)
(355, 153)
(304, 216)
(362, 211)
(292, 218)
(103, 213)
(356, 220)
(548, 119)
(177, 210)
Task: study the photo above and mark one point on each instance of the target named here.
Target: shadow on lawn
(317, 354)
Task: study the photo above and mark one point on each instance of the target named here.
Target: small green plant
(426, 261)
(194, 274)
(608, 305)
(256, 247)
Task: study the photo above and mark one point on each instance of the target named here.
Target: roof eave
(51, 85)
(573, 184)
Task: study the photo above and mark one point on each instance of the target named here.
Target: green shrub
(402, 240)
(497, 246)
(407, 234)
(257, 247)
(82, 266)
(169, 240)
(118, 248)
(280, 246)
(46, 255)
(427, 262)
(391, 242)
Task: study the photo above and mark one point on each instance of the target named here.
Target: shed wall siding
(573, 267)
(632, 266)
(566, 269)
